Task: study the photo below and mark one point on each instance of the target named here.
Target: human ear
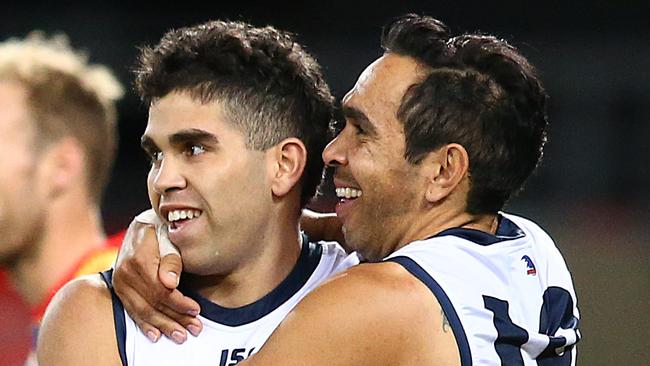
(446, 169)
(62, 166)
(288, 164)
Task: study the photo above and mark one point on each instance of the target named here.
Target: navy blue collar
(506, 230)
(308, 260)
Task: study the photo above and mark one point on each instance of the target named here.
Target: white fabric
(468, 271)
(222, 345)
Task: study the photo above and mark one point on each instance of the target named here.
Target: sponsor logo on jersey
(231, 357)
(530, 266)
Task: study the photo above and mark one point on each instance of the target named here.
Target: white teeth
(176, 215)
(348, 192)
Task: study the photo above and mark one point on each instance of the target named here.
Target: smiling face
(369, 158)
(202, 169)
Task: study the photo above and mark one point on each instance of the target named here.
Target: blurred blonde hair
(67, 96)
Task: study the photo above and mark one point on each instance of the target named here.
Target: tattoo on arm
(445, 322)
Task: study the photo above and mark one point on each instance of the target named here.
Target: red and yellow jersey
(96, 260)
(20, 323)
(15, 333)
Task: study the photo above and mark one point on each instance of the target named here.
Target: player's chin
(201, 263)
(197, 268)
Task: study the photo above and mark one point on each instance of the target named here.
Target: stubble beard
(25, 242)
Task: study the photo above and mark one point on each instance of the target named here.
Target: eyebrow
(182, 137)
(359, 117)
(192, 135)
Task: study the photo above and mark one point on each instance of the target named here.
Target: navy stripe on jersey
(506, 230)
(310, 256)
(557, 312)
(118, 316)
(456, 326)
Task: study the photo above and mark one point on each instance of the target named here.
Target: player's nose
(335, 153)
(168, 177)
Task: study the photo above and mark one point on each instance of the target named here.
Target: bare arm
(64, 339)
(373, 314)
(146, 283)
(322, 226)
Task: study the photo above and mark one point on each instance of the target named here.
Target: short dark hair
(481, 93)
(270, 86)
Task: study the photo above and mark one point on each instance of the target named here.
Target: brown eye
(194, 150)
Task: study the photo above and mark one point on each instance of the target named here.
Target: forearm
(322, 226)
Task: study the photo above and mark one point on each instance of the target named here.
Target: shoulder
(78, 325)
(388, 277)
(369, 314)
(375, 291)
(545, 246)
(82, 297)
(530, 228)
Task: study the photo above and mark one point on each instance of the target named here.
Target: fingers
(171, 322)
(159, 322)
(177, 306)
(137, 262)
(146, 284)
(154, 317)
(180, 304)
(169, 270)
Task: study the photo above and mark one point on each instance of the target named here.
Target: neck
(72, 228)
(257, 274)
(436, 221)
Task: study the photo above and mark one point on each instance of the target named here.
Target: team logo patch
(530, 266)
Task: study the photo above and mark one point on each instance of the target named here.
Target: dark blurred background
(591, 191)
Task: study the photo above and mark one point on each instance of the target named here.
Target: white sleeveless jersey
(509, 298)
(231, 335)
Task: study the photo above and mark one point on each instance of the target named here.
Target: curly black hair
(481, 93)
(270, 86)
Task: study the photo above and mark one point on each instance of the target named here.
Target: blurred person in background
(58, 140)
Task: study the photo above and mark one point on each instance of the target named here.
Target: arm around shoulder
(78, 327)
(372, 314)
